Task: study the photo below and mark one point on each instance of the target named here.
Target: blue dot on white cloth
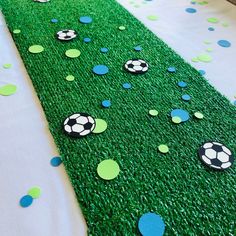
(184, 115)
(100, 70)
(186, 97)
(26, 201)
(137, 48)
(85, 19)
(182, 84)
(224, 43)
(54, 20)
(190, 10)
(151, 224)
(104, 50)
(171, 69)
(56, 161)
(126, 85)
(87, 40)
(211, 29)
(106, 103)
(202, 72)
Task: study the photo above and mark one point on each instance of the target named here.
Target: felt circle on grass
(101, 126)
(87, 40)
(153, 112)
(54, 20)
(191, 10)
(108, 169)
(224, 43)
(163, 148)
(121, 28)
(138, 48)
(73, 53)
(106, 103)
(100, 70)
(55, 161)
(184, 115)
(70, 78)
(34, 192)
(36, 49)
(198, 115)
(127, 86)
(16, 31)
(213, 20)
(176, 120)
(85, 19)
(151, 224)
(7, 66)
(171, 69)
(104, 50)
(26, 201)
(182, 84)
(8, 89)
(186, 97)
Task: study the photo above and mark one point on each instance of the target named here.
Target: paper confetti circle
(34, 192)
(36, 49)
(8, 89)
(108, 169)
(101, 126)
(26, 201)
(73, 53)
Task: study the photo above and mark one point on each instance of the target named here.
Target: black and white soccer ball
(41, 0)
(79, 125)
(136, 66)
(66, 35)
(216, 155)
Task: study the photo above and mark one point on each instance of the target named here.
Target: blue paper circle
(56, 161)
(104, 50)
(171, 69)
(182, 84)
(224, 43)
(26, 201)
(184, 115)
(186, 97)
(127, 85)
(87, 40)
(211, 29)
(85, 19)
(137, 48)
(190, 10)
(100, 69)
(54, 20)
(151, 224)
(202, 72)
(234, 102)
(106, 103)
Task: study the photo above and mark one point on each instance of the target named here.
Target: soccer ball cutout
(136, 66)
(216, 155)
(66, 35)
(79, 125)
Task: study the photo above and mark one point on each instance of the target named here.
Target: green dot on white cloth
(163, 148)
(36, 49)
(101, 126)
(152, 17)
(204, 57)
(73, 53)
(7, 66)
(8, 89)
(16, 31)
(213, 20)
(70, 78)
(108, 169)
(34, 192)
(153, 112)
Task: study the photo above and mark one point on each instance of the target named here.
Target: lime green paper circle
(121, 28)
(195, 59)
(204, 58)
(101, 126)
(153, 112)
(70, 77)
(152, 17)
(73, 53)
(198, 115)
(34, 192)
(163, 148)
(16, 31)
(8, 89)
(7, 66)
(213, 20)
(108, 169)
(36, 48)
(176, 120)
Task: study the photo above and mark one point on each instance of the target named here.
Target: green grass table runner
(191, 199)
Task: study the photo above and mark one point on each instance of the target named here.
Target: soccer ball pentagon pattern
(136, 66)
(216, 155)
(66, 35)
(79, 125)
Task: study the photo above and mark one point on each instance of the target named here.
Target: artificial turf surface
(192, 199)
